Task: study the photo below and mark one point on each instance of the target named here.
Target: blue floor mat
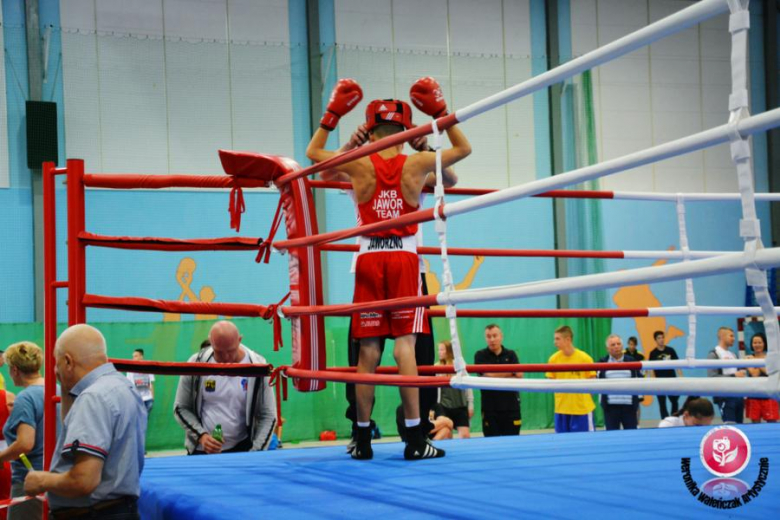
(630, 474)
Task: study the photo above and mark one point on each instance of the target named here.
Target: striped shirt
(618, 374)
(107, 421)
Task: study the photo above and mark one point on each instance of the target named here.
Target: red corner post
(49, 312)
(76, 249)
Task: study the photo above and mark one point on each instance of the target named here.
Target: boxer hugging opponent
(386, 185)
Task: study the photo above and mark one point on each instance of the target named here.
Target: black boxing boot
(418, 446)
(363, 450)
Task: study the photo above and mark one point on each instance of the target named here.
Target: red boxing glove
(426, 95)
(345, 96)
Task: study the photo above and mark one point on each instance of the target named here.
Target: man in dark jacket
(619, 410)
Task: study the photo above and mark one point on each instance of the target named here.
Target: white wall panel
(259, 22)
(420, 25)
(195, 19)
(139, 17)
(476, 26)
(78, 15)
(262, 99)
(132, 105)
(517, 21)
(679, 87)
(363, 23)
(387, 45)
(5, 177)
(155, 87)
(84, 137)
(199, 111)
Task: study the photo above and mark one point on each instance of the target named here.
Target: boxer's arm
(426, 161)
(358, 139)
(449, 177)
(317, 153)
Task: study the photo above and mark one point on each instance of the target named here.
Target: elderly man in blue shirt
(100, 451)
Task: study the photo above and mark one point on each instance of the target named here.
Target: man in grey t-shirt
(99, 454)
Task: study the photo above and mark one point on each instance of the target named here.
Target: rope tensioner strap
(237, 207)
(690, 295)
(264, 252)
(274, 312)
(441, 231)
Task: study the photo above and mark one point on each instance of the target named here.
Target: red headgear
(388, 112)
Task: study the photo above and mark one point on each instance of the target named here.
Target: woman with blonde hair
(24, 429)
(458, 405)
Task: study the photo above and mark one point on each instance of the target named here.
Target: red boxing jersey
(387, 202)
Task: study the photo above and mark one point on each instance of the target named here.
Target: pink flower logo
(725, 451)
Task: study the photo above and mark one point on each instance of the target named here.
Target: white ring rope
(690, 197)
(690, 296)
(673, 23)
(643, 275)
(722, 386)
(703, 363)
(704, 310)
(712, 137)
(447, 278)
(754, 260)
(750, 226)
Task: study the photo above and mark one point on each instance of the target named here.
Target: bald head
(79, 350)
(226, 342)
(83, 341)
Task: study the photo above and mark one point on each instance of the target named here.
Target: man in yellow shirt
(573, 412)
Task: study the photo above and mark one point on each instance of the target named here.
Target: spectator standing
(732, 409)
(6, 405)
(2, 379)
(633, 349)
(619, 410)
(758, 408)
(99, 455)
(634, 352)
(23, 430)
(500, 410)
(143, 383)
(573, 412)
(663, 352)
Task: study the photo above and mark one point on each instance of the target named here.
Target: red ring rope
(151, 305)
(253, 244)
(522, 367)
(131, 181)
(563, 194)
(172, 244)
(473, 251)
(369, 379)
(192, 369)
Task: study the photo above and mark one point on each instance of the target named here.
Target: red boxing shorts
(383, 276)
(766, 409)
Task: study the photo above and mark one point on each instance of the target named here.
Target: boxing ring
(572, 471)
(586, 475)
